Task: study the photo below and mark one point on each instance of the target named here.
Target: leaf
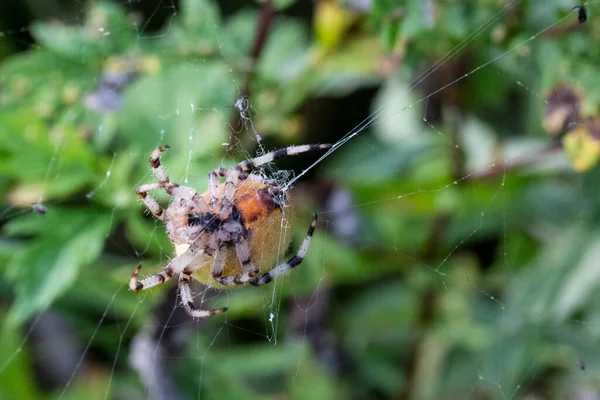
(530, 302)
(312, 381)
(344, 71)
(29, 88)
(416, 19)
(398, 115)
(367, 161)
(281, 4)
(240, 30)
(200, 17)
(17, 380)
(44, 270)
(284, 55)
(331, 22)
(107, 30)
(580, 283)
(31, 153)
(455, 23)
(389, 33)
(182, 101)
(582, 144)
(67, 40)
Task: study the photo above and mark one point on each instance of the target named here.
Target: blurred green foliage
(475, 269)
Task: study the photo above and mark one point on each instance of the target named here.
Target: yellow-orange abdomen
(269, 228)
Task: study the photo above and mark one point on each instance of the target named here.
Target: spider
(242, 216)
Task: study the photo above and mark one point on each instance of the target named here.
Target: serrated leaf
(41, 90)
(32, 153)
(44, 270)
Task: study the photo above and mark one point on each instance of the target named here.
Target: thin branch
(265, 22)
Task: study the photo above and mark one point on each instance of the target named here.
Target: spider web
(289, 338)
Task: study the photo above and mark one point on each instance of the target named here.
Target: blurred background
(457, 253)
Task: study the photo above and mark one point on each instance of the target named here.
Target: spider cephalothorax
(227, 236)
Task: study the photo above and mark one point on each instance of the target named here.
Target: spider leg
(172, 189)
(188, 301)
(242, 176)
(213, 182)
(149, 201)
(231, 183)
(214, 175)
(175, 266)
(250, 271)
(151, 281)
(157, 168)
(234, 177)
(219, 263)
(198, 204)
(280, 153)
(293, 262)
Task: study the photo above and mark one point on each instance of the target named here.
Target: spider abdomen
(263, 225)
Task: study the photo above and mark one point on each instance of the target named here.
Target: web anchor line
(372, 119)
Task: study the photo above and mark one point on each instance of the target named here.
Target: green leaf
(31, 153)
(187, 100)
(200, 17)
(580, 283)
(283, 4)
(284, 55)
(107, 31)
(389, 33)
(45, 269)
(29, 88)
(16, 376)
(530, 302)
(416, 20)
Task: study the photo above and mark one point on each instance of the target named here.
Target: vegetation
(458, 244)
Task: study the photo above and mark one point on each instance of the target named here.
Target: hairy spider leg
(250, 271)
(213, 183)
(219, 261)
(174, 267)
(149, 201)
(247, 165)
(159, 172)
(214, 175)
(293, 262)
(187, 300)
(231, 182)
(157, 168)
(172, 189)
(163, 182)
